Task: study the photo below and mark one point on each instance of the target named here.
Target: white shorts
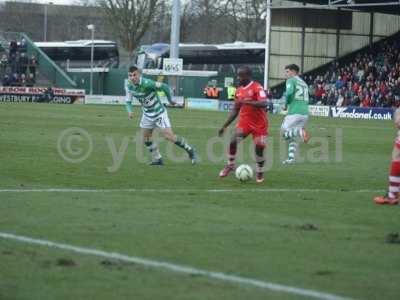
(292, 121)
(162, 121)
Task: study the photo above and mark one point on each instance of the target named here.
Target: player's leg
(181, 143)
(286, 130)
(394, 178)
(148, 126)
(292, 131)
(165, 125)
(259, 147)
(237, 137)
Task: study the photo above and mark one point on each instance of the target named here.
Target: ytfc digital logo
(76, 145)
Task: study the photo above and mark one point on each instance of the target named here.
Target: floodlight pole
(91, 27)
(45, 23)
(267, 43)
(175, 32)
(175, 29)
(45, 20)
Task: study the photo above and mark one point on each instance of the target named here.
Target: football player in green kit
(293, 126)
(154, 113)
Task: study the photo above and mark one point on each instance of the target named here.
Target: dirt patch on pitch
(324, 273)
(393, 238)
(309, 227)
(65, 262)
(116, 264)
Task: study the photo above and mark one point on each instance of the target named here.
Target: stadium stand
(38, 68)
(367, 78)
(16, 68)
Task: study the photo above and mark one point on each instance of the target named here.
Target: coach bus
(224, 58)
(77, 54)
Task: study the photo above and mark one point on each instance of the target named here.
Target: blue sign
(202, 103)
(367, 113)
(226, 105)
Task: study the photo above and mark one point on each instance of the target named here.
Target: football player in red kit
(250, 105)
(392, 195)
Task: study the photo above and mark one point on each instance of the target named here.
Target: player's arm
(289, 91)
(128, 102)
(397, 118)
(232, 116)
(165, 88)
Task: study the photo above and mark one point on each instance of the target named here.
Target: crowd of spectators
(16, 67)
(372, 79)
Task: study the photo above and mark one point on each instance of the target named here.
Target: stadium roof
(381, 6)
(78, 43)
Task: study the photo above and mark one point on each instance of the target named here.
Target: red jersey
(252, 118)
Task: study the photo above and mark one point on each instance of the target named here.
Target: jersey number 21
(302, 93)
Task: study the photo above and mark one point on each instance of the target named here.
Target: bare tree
(129, 19)
(247, 19)
(232, 10)
(187, 17)
(207, 15)
(161, 26)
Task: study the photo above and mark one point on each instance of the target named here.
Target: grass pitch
(312, 225)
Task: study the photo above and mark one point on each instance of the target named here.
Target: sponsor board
(36, 94)
(173, 66)
(362, 113)
(104, 99)
(202, 103)
(226, 105)
(319, 110)
(120, 100)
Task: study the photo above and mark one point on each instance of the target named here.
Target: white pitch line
(177, 268)
(144, 190)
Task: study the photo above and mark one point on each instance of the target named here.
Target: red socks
(232, 153)
(394, 179)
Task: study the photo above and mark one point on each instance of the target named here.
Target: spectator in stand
(15, 80)
(324, 99)
(366, 102)
(6, 81)
(332, 96)
(23, 46)
(30, 81)
(23, 80)
(23, 63)
(340, 100)
(319, 92)
(3, 64)
(33, 63)
(396, 90)
(13, 61)
(13, 47)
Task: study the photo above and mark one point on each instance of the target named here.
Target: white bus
(224, 58)
(77, 54)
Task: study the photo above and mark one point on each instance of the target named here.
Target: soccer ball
(244, 172)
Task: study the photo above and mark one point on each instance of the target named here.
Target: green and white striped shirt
(146, 93)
